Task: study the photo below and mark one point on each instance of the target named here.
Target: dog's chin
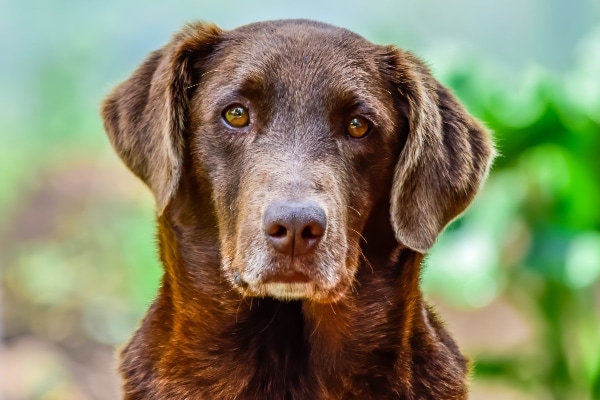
(288, 282)
(291, 291)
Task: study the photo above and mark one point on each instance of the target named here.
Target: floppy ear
(446, 157)
(146, 116)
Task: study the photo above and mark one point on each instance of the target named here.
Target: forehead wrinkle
(304, 55)
(309, 51)
(310, 69)
(361, 86)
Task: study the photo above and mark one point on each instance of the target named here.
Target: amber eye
(358, 127)
(236, 116)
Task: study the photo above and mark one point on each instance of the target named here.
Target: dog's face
(299, 129)
(296, 140)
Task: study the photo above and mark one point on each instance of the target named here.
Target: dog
(301, 173)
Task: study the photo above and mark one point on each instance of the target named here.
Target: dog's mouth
(287, 277)
(290, 284)
(282, 286)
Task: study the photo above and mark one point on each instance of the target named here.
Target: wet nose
(294, 228)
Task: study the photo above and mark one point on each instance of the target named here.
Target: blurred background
(517, 278)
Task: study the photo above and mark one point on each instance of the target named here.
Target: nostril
(313, 231)
(277, 231)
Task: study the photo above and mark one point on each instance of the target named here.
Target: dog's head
(297, 131)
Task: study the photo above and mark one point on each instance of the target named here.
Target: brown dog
(300, 174)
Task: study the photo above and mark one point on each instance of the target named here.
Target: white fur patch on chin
(289, 291)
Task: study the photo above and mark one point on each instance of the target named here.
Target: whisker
(270, 322)
(332, 309)
(202, 76)
(355, 210)
(316, 328)
(230, 290)
(388, 301)
(366, 260)
(243, 299)
(238, 308)
(359, 234)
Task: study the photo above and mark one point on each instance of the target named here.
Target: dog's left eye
(358, 127)
(236, 116)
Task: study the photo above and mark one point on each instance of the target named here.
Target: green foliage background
(77, 258)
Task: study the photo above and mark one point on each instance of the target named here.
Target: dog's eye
(358, 127)
(236, 116)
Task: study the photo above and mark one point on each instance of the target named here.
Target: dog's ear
(146, 116)
(446, 157)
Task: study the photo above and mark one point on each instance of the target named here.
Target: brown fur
(359, 329)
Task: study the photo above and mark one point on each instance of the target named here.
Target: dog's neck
(209, 342)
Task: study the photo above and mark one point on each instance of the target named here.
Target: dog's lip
(287, 277)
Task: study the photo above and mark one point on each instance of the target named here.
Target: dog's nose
(294, 228)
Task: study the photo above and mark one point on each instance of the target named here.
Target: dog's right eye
(358, 127)
(236, 116)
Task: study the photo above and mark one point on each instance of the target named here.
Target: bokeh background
(517, 278)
